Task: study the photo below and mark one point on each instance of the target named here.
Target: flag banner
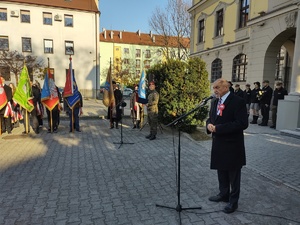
(8, 111)
(3, 98)
(22, 94)
(71, 93)
(108, 92)
(142, 89)
(49, 95)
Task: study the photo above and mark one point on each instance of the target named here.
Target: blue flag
(142, 89)
(71, 93)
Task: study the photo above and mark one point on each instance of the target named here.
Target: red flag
(49, 94)
(3, 98)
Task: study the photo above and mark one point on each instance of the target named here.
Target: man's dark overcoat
(228, 149)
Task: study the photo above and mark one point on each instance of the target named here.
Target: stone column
(288, 115)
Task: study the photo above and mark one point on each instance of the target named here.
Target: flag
(71, 93)
(49, 95)
(108, 92)
(142, 89)
(22, 94)
(3, 98)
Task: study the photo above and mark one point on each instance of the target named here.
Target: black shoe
(274, 127)
(111, 127)
(148, 136)
(55, 130)
(230, 208)
(218, 198)
(9, 132)
(263, 124)
(134, 127)
(152, 137)
(78, 130)
(36, 131)
(253, 122)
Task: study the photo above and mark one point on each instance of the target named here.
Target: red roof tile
(85, 5)
(124, 37)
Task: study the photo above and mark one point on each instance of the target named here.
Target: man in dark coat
(227, 120)
(114, 113)
(265, 102)
(6, 122)
(238, 91)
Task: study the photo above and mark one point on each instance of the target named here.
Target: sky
(128, 15)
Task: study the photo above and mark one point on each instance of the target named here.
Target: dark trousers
(274, 114)
(55, 116)
(153, 122)
(229, 184)
(5, 123)
(74, 122)
(265, 110)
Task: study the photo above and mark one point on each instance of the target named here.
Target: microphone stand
(121, 141)
(177, 121)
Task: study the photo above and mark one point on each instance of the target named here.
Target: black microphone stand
(177, 121)
(123, 104)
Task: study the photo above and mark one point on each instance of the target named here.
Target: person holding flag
(72, 99)
(5, 102)
(136, 108)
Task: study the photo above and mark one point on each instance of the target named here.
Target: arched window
(239, 68)
(216, 70)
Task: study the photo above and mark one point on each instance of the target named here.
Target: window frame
(138, 53)
(24, 44)
(216, 69)
(52, 49)
(3, 14)
(23, 15)
(148, 53)
(239, 68)
(45, 18)
(220, 22)
(66, 19)
(244, 13)
(3, 38)
(72, 52)
(201, 31)
(138, 63)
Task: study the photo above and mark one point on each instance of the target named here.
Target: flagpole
(0, 125)
(26, 121)
(72, 120)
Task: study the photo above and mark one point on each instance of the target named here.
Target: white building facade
(55, 30)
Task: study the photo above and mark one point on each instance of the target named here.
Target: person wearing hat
(238, 91)
(230, 87)
(152, 110)
(255, 105)
(247, 97)
(6, 121)
(136, 108)
(265, 102)
(279, 93)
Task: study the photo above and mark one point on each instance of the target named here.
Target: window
(48, 46)
(3, 14)
(219, 28)
(138, 53)
(68, 21)
(69, 47)
(47, 18)
(4, 43)
(216, 70)
(201, 31)
(26, 45)
(280, 63)
(126, 61)
(239, 68)
(244, 12)
(138, 63)
(25, 16)
(147, 64)
(148, 54)
(126, 50)
(138, 73)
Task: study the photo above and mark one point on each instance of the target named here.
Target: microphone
(208, 98)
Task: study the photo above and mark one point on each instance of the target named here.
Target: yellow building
(131, 52)
(246, 41)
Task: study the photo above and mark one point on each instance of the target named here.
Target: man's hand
(211, 128)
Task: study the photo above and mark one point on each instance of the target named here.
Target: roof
(138, 38)
(85, 5)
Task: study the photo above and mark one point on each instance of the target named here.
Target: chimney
(139, 32)
(150, 33)
(153, 39)
(120, 34)
(111, 34)
(104, 32)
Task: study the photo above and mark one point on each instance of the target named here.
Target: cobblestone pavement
(85, 178)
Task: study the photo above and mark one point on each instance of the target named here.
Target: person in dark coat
(35, 113)
(74, 113)
(55, 114)
(114, 113)
(227, 121)
(238, 91)
(255, 102)
(136, 108)
(230, 87)
(279, 93)
(247, 97)
(6, 122)
(265, 102)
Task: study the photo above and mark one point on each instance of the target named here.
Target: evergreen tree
(182, 86)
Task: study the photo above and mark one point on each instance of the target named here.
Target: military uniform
(152, 107)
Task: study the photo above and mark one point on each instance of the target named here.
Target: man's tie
(219, 103)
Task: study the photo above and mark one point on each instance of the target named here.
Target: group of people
(136, 108)
(261, 99)
(34, 118)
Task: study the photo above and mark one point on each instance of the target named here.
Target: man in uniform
(279, 93)
(152, 107)
(265, 101)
